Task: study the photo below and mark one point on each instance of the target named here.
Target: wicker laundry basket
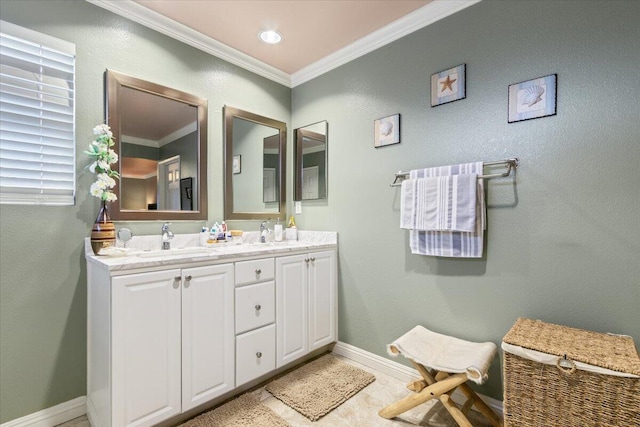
(566, 377)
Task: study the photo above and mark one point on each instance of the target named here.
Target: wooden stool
(450, 374)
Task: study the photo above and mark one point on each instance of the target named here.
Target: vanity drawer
(255, 354)
(257, 270)
(255, 306)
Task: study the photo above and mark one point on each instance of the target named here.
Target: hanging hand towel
(456, 244)
(440, 203)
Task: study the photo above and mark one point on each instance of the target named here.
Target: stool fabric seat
(445, 364)
(445, 353)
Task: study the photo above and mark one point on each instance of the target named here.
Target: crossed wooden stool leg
(442, 382)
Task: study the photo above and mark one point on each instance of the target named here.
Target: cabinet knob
(313, 259)
(258, 307)
(187, 277)
(176, 282)
(306, 260)
(258, 355)
(258, 271)
(177, 278)
(187, 281)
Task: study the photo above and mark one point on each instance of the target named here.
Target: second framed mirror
(255, 153)
(311, 158)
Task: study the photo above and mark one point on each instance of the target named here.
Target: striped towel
(439, 203)
(458, 244)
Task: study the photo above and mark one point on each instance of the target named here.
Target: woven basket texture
(537, 395)
(614, 352)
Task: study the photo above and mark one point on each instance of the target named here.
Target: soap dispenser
(278, 231)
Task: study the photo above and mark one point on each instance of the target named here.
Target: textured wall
(563, 238)
(42, 272)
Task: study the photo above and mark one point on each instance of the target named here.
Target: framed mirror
(255, 165)
(311, 161)
(161, 141)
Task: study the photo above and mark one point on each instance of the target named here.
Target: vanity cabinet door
(322, 298)
(207, 333)
(146, 347)
(292, 318)
(306, 308)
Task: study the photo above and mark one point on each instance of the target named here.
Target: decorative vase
(103, 233)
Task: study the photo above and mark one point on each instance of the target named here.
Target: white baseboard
(53, 416)
(401, 372)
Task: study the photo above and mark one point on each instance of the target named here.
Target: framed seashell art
(449, 85)
(533, 99)
(386, 131)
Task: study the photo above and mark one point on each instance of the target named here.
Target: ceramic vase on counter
(103, 233)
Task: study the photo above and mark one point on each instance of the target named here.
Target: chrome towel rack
(510, 164)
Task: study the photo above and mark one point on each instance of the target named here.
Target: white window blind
(37, 118)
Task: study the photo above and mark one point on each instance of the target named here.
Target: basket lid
(615, 352)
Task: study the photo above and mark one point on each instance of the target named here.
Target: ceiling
(311, 29)
(318, 35)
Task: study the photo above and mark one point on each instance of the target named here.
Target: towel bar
(509, 163)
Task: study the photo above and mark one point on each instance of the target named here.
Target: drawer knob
(258, 271)
(258, 355)
(258, 307)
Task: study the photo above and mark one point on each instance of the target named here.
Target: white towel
(445, 353)
(457, 244)
(440, 203)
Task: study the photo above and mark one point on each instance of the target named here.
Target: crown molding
(420, 18)
(147, 17)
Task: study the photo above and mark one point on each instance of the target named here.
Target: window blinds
(37, 118)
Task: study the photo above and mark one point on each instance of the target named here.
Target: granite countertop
(145, 251)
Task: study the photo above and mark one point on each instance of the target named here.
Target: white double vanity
(168, 332)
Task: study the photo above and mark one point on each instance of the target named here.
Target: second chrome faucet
(264, 230)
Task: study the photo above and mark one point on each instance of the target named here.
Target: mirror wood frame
(114, 83)
(229, 114)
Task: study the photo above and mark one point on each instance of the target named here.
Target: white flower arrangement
(101, 149)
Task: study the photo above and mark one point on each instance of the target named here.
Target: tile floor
(361, 410)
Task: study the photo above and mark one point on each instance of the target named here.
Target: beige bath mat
(245, 411)
(317, 388)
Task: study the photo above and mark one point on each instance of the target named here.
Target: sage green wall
(42, 267)
(563, 237)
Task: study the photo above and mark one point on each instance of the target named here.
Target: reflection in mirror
(255, 163)
(160, 137)
(311, 161)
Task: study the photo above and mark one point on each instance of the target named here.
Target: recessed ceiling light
(270, 36)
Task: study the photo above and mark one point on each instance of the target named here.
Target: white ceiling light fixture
(270, 36)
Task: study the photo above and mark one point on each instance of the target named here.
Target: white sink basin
(195, 251)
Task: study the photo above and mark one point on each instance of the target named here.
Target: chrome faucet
(166, 236)
(264, 230)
